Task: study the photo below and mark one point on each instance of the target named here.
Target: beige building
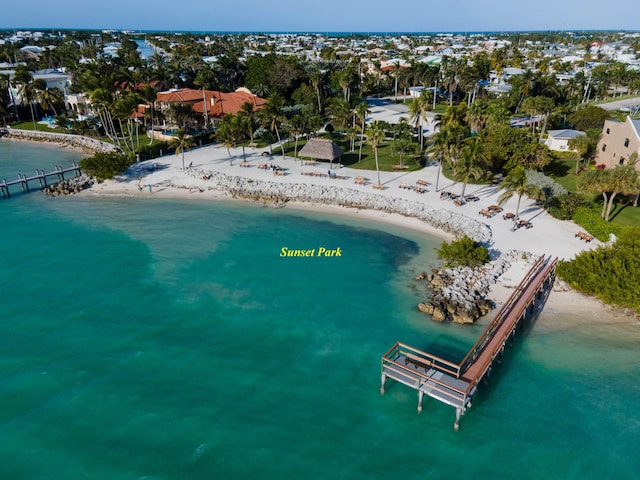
(618, 142)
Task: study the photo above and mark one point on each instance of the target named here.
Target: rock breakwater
(86, 144)
(446, 220)
(70, 186)
(461, 294)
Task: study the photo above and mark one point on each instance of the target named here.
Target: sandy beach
(210, 174)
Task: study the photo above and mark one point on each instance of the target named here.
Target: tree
(271, 115)
(404, 147)
(361, 112)
(585, 146)
(247, 111)
(298, 128)
(588, 118)
(622, 179)
(463, 252)
(468, 165)
(418, 109)
(225, 135)
(515, 183)
(375, 136)
(181, 141)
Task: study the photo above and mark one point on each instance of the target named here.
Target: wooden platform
(455, 384)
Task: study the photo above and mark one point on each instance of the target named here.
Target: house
(558, 140)
(217, 104)
(618, 143)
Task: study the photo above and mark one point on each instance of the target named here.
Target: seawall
(86, 144)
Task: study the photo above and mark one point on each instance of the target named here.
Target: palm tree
(225, 135)
(622, 179)
(298, 128)
(468, 164)
(516, 183)
(247, 111)
(361, 114)
(181, 141)
(271, 115)
(375, 136)
(418, 109)
(28, 93)
(439, 149)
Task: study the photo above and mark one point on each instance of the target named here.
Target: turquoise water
(162, 339)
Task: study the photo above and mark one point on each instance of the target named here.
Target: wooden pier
(40, 176)
(455, 384)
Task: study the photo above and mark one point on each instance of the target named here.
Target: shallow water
(152, 338)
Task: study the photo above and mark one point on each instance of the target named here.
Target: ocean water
(163, 339)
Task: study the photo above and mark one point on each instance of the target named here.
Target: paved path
(618, 104)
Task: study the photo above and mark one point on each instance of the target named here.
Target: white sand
(547, 237)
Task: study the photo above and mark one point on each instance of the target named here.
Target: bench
(279, 172)
(524, 223)
(509, 216)
(399, 167)
(417, 361)
(422, 182)
(584, 236)
(486, 213)
(378, 186)
(360, 180)
(253, 145)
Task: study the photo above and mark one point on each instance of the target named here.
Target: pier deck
(41, 176)
(455, 384)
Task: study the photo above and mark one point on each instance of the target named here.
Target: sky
(322, 15)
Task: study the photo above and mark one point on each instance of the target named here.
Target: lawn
(387, 158)
(39, 127)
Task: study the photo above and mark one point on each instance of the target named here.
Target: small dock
(41, 177)
(455, 384)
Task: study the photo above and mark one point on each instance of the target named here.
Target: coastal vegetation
(105, 165)
(610, 272)
(464, 252)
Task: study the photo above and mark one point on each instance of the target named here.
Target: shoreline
(86, 145)
(172, 182)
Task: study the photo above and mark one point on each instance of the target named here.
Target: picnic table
(584, 236)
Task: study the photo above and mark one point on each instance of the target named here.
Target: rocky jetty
(460, 294)
(86, 144)
(70, 186)
(451, 222)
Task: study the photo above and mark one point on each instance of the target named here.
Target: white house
(558, 140)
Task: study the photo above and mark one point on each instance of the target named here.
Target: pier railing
(497, 320)
(417, 365)
(423, 359)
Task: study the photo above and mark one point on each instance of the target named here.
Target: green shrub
(547, 185)
(147, 152)
(593, 223)
(609, 273)
(105, 165)
(463, 252)
(563, 207)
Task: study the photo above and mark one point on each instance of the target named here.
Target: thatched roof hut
(321, 149)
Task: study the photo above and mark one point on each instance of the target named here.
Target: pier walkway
(41, 176)
(455, 384)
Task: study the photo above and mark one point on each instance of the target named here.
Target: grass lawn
(39, 127)
(563, 171)
(386, 157)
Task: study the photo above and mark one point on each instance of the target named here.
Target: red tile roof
(218, 103)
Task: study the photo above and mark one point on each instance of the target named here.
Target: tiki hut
(321, 149)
